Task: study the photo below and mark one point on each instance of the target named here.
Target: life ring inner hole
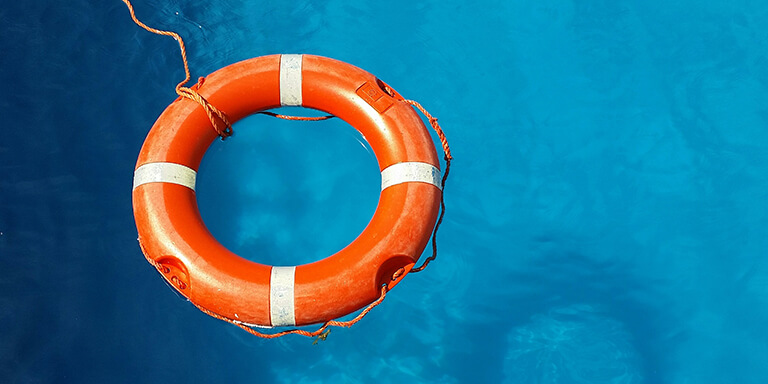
(288, 192)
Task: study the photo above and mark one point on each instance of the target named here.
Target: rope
(435, 126)
(296, 118)
(448, 158)
(320, 333)
(218, 118)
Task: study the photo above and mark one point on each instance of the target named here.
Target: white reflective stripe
(165, 173)
(282, 311)
(410, 172)
(290, 80)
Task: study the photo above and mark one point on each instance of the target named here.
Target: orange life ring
(174, 239)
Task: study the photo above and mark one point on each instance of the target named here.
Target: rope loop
(448, 157)
(320, 333)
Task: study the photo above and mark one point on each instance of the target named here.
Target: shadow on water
(572, 319)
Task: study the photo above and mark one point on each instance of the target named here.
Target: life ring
(175, 240)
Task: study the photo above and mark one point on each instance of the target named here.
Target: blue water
(606, 216)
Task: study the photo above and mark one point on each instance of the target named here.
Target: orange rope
(435, 126)
(296, 118)
(448, 158)
(216, 116)
(321, 332)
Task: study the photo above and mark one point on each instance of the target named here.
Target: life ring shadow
(557, 281)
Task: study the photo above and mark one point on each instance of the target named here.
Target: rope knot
(218, 119)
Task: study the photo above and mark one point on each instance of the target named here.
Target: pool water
(605, 214)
